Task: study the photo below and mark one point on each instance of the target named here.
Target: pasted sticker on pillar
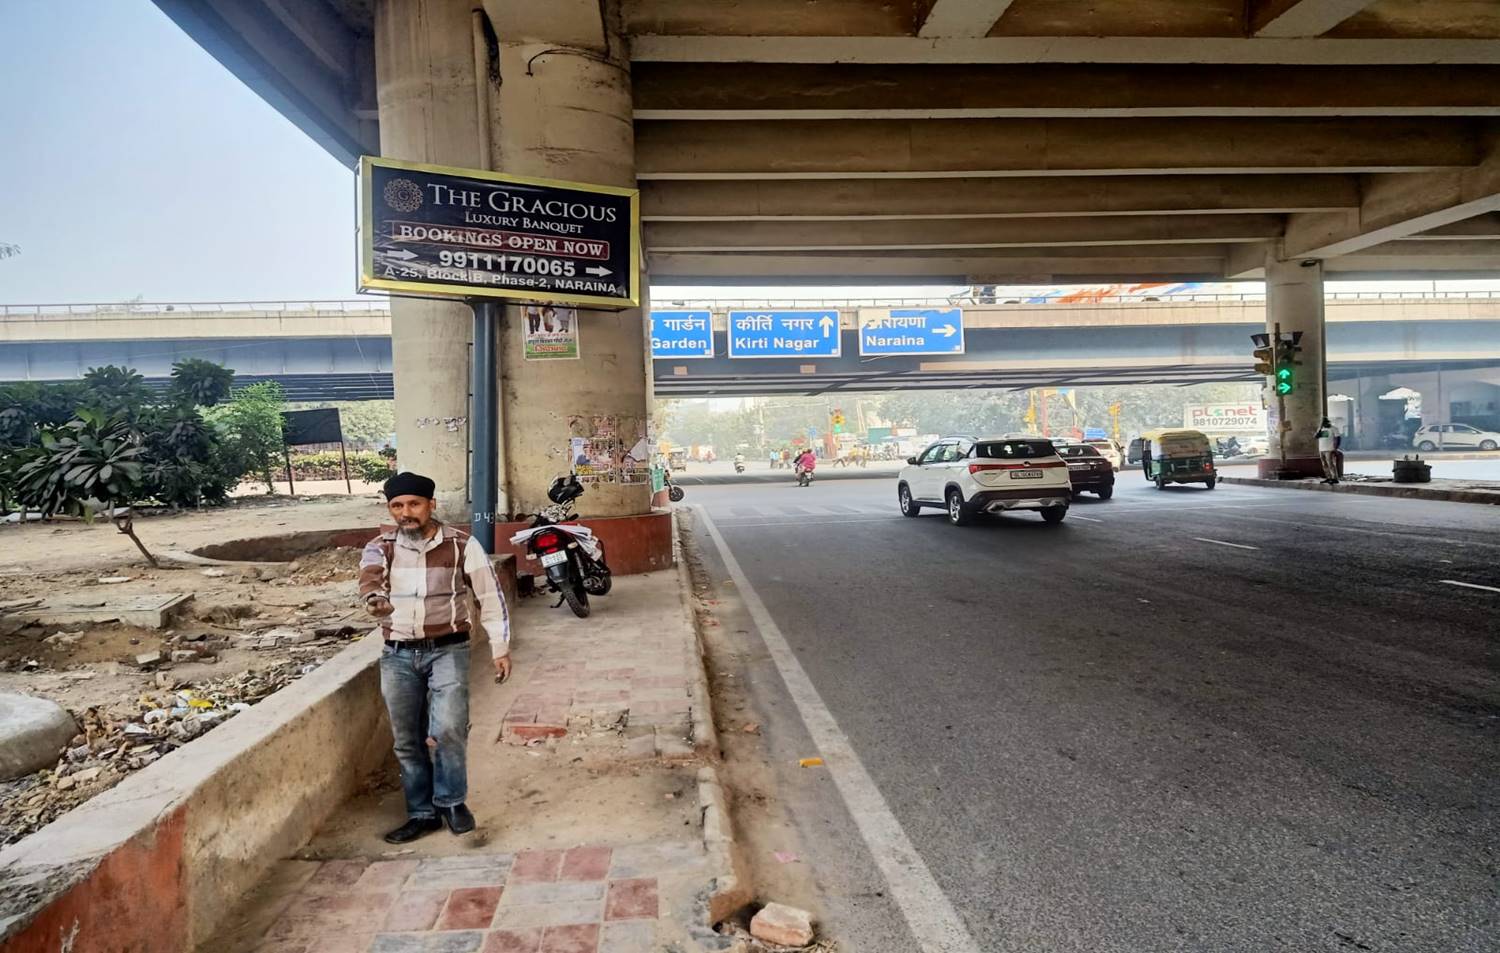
(549, 333)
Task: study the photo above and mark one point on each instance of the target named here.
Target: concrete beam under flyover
(1301, 17)
(971, 18)
(1486, 226)
(960, 234)
(897, 148)
(1396, 206)
(993, 90)
(578, 24)
(869, 46)
(1160, 263)
(792, 200)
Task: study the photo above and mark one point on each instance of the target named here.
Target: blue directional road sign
(682, 334)
(784, 334)
(1094, 433)
(912, 331)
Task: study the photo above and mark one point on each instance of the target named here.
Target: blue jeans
(427, 696)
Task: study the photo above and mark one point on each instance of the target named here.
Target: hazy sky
(134, 164)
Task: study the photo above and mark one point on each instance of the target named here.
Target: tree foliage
(774, 422)
(111, 438)
(251, 422)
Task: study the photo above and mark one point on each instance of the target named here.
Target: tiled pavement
(625, 671)
(584, 900)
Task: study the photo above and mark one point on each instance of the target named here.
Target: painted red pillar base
(1271, 468)
(632, 544)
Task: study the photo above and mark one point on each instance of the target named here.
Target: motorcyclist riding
(807, 462)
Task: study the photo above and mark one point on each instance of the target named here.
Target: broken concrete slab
(783, 925)
(151, 610)
(33, 734)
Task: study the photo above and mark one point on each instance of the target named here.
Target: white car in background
(967, 476)
(1452, 436)
(1109, 450)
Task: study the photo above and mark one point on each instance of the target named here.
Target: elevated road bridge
(341, 350)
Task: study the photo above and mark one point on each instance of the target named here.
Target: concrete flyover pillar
(563, 111)
(424, 69)
(1294, 301)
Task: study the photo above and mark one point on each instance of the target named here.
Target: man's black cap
(409, 484)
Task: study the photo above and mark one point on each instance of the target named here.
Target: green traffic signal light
(1283, 380)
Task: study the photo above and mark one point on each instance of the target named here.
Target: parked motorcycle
(674, 492)
(570, 555)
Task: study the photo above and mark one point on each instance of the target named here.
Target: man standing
(416, 578)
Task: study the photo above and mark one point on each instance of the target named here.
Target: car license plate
(552, 559)
(1025, 474)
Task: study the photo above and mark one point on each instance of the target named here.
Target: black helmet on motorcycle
(565, 489)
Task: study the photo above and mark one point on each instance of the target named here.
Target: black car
(1088, 470)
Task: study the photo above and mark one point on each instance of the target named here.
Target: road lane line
(1089, 519)
(1220, 542)
(1467, 585)
(933, 921)
(802, 522)
(1366, 532)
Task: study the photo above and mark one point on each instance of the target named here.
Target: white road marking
(1366, 532)
(1220, 542)
(1467, 585)
(928, 912)
(1088, 519)
(794, 521)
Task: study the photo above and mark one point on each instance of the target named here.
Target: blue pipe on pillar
(484, 480)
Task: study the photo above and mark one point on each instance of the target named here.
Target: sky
(135, 166)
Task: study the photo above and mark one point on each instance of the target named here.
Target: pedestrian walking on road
(416, 578)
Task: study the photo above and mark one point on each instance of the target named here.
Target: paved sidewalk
(592, 899)
(626, 668)
(1445, 491)
(587, 792)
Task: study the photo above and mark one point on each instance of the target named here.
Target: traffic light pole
(1282, 426)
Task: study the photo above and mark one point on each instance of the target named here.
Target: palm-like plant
(90, 461)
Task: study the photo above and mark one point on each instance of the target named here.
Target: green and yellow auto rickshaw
(1177, 456)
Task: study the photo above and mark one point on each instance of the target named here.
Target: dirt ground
(27, 549)
(248, 630)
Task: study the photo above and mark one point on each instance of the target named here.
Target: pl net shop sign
(434, 230)
(1246, 417)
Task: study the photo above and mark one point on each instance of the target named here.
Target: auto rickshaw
(677, 458)
(1177, 456)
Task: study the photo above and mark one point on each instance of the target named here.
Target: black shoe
(414, 828)
(460, 821)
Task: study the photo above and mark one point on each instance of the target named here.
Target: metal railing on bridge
(378, 305)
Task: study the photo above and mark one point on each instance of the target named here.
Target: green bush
(91, 461)
(364, 465)
(251, 424)
(177, 454)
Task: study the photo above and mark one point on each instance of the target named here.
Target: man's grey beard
(415, 534)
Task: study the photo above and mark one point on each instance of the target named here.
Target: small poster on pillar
(431, 230)
(549, 333)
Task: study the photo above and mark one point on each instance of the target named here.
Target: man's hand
(502, 669)
(379, 606)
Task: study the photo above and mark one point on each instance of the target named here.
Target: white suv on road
(1451, 436)
(966, 476)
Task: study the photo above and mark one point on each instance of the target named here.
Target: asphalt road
(1244, 719)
